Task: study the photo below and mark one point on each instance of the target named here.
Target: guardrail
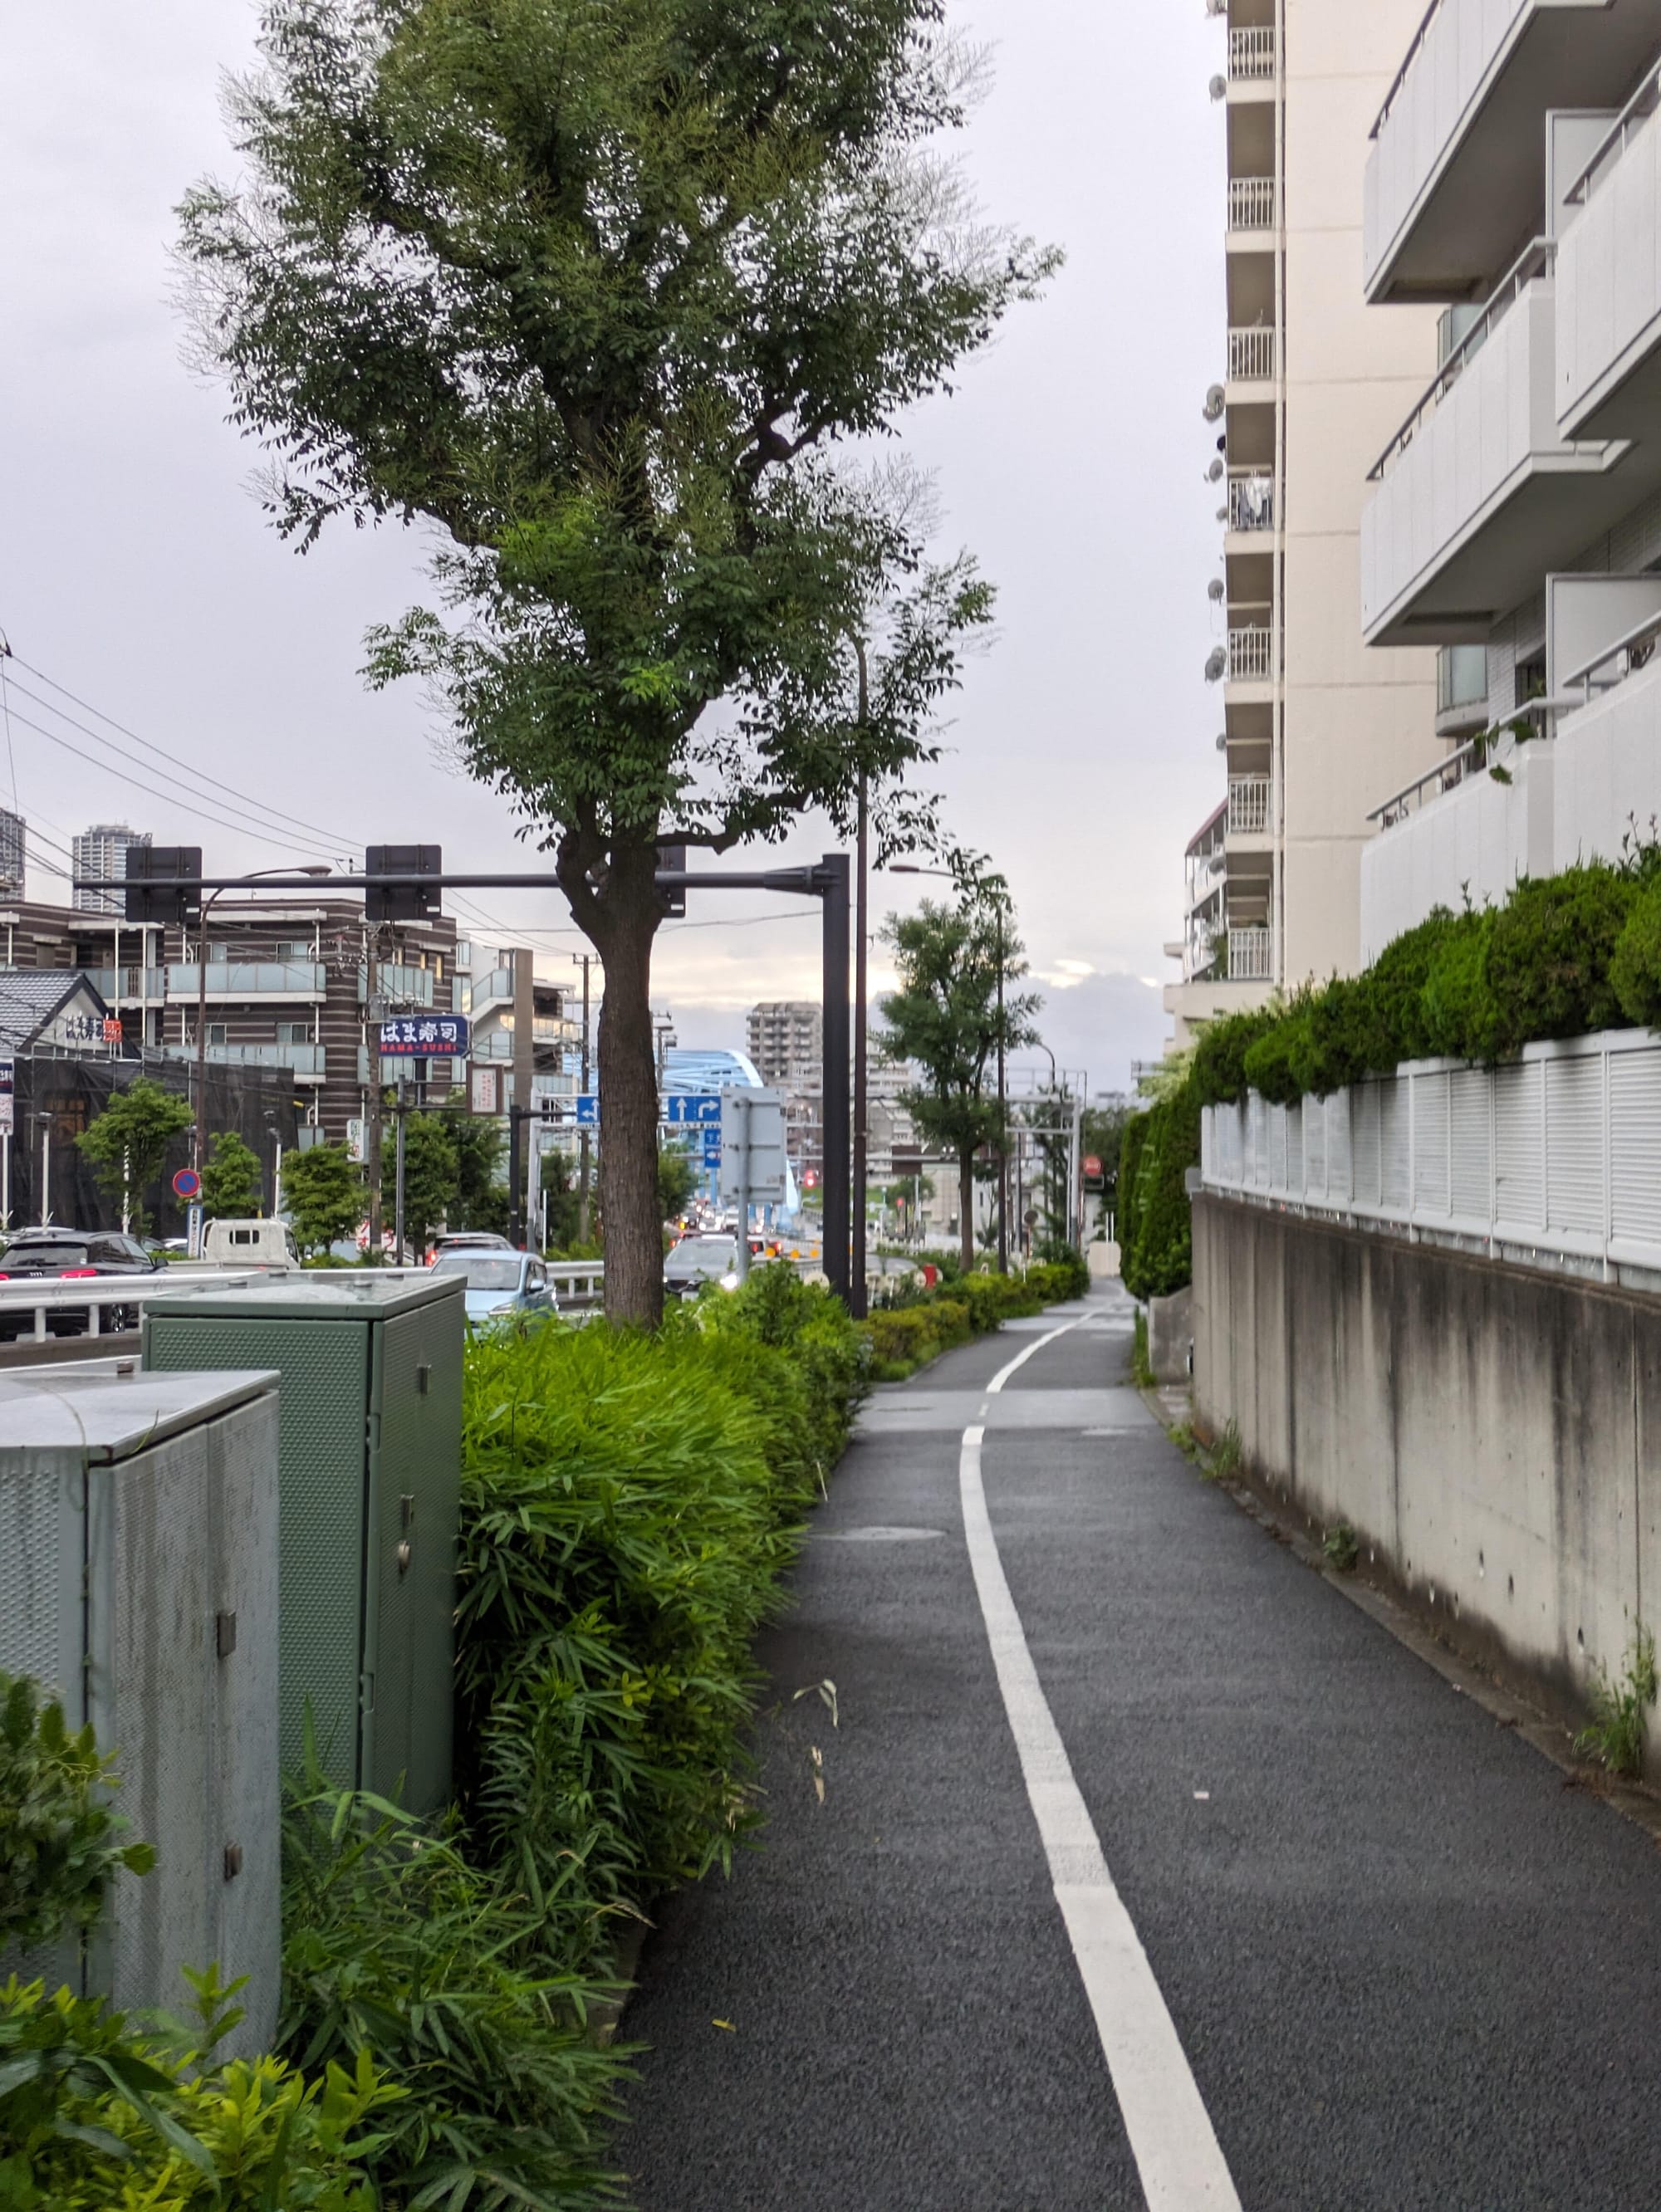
(1249, 805)
(1553, 1156)
(1250, 656)
(95, 1307)
(1250, 499)
(1252, 956)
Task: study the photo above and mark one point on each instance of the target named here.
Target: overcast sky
(137, 570)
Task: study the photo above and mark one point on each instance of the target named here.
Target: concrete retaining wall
(1492, 1434)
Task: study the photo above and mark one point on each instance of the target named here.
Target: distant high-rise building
(786, 1039)
(102, 851)
(11, 855)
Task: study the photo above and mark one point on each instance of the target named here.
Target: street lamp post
(208, 904)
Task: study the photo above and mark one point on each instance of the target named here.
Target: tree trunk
(966, 1210)
(619, 912)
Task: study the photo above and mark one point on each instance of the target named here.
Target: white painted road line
(1177, 2156)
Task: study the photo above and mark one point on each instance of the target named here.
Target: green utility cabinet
(369, 1466)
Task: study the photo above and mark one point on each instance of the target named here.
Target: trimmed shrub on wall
(1159, 1256)
(1550, 954)
(1635, 966)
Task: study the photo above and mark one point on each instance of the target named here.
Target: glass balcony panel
(257, 979)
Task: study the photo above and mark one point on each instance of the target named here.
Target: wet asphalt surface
(1408, 1966)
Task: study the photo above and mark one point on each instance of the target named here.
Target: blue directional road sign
(682, 1107)
(587, 1105)
(712, 1148)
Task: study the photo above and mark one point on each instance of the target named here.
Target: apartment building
(1313, 727)
(785, 1040)
(298, 985)
(1514, 520)
(101, 851)
(14, 837)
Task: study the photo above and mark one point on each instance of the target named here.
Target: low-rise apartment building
(300, 985)
(1514, 520)
(1311, 386)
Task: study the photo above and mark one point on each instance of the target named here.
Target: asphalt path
(1386, 1957)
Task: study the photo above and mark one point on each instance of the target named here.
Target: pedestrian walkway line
(1177, 2156)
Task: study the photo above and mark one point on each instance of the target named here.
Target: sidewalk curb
(1171, 1408)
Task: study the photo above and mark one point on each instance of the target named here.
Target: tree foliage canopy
(128, 1142)
(324, 1191)
(595, 291)
(233, 1181)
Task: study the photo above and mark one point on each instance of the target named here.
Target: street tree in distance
(232, 1182)
(429, 1175)
(128, 1142)
(946, 1018)
(324, 1191)
(596, 290)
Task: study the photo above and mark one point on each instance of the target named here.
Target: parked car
(502, 1285)
(699, 1259)
(38, 1255)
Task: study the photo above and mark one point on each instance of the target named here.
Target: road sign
(187, 1183)
(587, 1105)
(1092, 1166)
(357, 1139)
(682, 1107)
(8, 1095)
(752, 1162)
(194, 1232)
(712, 1148)
(424, 1036)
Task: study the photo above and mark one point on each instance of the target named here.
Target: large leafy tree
(128, 1142)
(324, 1191)
(594, 288)
(233, 1181)
(959, 964)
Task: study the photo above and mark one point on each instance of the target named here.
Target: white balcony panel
(1608, 295)
(1609, 769)
(1456, 172)
(1483, 496)
(306, 1062)
(1474, 841)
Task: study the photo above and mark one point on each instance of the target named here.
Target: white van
(268, 1244)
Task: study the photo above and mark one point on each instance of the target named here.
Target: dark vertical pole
(1003, 1115)
(833, 873)
(515, 1178)
(857, 1288)
(582, 1142)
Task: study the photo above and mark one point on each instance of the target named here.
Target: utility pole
(1003, 1107)
(583, 1141)
(857, 1292)
(401, 1111)
(374, 1008)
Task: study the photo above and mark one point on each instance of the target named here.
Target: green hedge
(1563, 956)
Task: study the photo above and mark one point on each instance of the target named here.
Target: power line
(260, 806)
(168, 798)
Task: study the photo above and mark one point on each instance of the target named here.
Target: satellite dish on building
(1216, 665)
(1216, 590)
(1215, 399)
(1214, 473)
(1219, 87)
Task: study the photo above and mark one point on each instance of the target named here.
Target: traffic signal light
(407, 896)
(178, 903)
(672, 857)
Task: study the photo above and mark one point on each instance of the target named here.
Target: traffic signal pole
(401, 884)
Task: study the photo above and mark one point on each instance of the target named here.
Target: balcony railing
(1247, 805)
(401, 1067)
(496, 987)
(1253, 203)
(1250, 499)
(1252, 956)
(1251, 53)
(1250, 656)
(253, 979)
(301, 1059)
(405, 987)
(115, 986)
(1253, 355)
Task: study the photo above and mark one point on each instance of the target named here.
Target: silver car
(503, 1285)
